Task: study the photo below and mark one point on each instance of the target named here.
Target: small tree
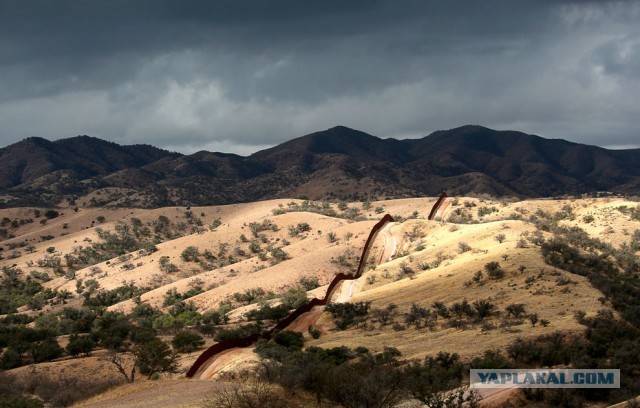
(463, 247)
(10, 359)
(494, 270)
(441, 309)
(516, 310)
(483, 309)
(46, 350)
(289, 339)
(120, 361)
(277, 255)
(51, 214)
(155, 357)
(187, 342)
(190, 254)
(500, 238)
(80, 345)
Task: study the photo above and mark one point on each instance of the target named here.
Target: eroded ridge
(284, 323)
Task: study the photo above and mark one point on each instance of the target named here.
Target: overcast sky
(241, 75)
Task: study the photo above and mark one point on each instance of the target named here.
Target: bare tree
(121, 362)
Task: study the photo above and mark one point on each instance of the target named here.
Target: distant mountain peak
(336, 163)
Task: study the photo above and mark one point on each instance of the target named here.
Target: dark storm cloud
(241, 75)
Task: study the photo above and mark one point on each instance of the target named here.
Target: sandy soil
(153, 394)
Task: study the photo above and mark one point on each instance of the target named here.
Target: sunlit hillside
(479, 277)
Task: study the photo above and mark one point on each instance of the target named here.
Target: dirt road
(234, 356)
(390, 244)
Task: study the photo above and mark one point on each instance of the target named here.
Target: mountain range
(338, 163)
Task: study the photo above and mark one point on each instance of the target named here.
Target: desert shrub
(59, 391)
(155, 356)
(405, 269)
(428, 380)
(51, 214)
(291, 340)
(345, 314)
(254, 247)
(297, 229)
(484, 309)
(190, 254)
(517, 310)
(622, 289)
(257, 227)
(491, 359)
(385, 315)
(295, 297)
(80, 345)
(277, 255)
(463, 247)
(314, 332)
(463, 308)
(494, 270)
(187, 342)
(166, 265)
(110, 297)
(441, 309)
(244, 331)
(251, 394)
(10, 359)
(309, 283)
(16, 292)
(482, 211)
(268, 312)
(46, 350)
(252, 295)
(420, 316)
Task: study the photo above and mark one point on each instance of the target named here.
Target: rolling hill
(111, 273)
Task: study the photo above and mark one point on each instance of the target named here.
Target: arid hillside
(88, 294)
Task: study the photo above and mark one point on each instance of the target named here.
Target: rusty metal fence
(284, 323)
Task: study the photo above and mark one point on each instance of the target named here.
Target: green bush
(80, 345)
(291, 340)
(51, 214)
(494, 270)
(190, 254)
(46, 350)
(187, 342)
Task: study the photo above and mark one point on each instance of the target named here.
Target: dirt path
(302, 323)
(390, 244)
(154, 394)
(233, 357)
(496, 396)
(440, 213)
(345, 291)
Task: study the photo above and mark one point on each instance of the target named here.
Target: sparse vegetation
(488, 304)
